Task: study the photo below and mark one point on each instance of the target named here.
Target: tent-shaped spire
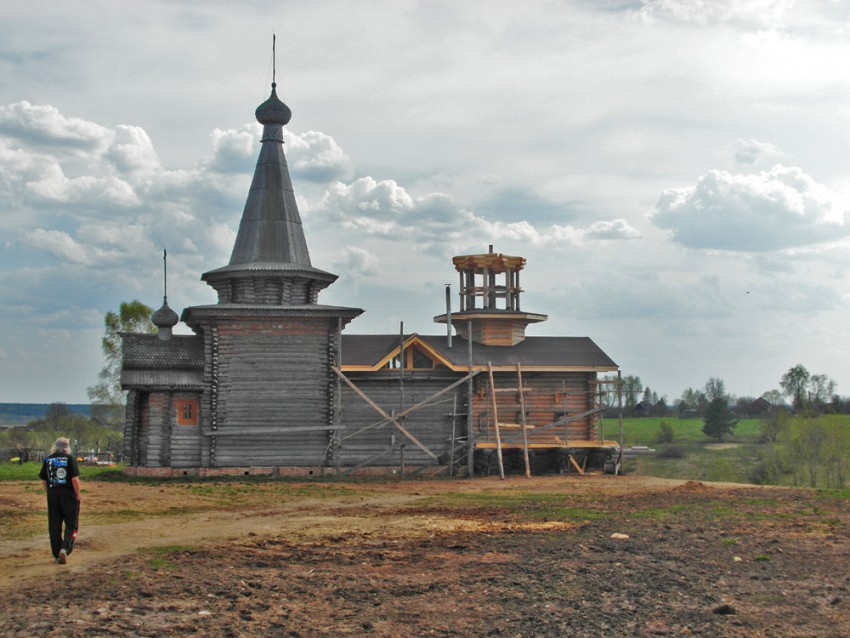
(270, 263)
(271, 230)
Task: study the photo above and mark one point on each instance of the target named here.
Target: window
(187, 412)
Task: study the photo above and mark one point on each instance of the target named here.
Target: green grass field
(694, 456)
(697, 457)
(29, 471)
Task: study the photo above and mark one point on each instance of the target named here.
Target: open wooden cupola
(490, 300)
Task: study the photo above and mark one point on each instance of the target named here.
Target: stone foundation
(204, 472)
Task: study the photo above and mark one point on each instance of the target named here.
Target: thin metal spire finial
(164, 276)
(274, 59)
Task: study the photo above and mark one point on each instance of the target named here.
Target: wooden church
(269, 383)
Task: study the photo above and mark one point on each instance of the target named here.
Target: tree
(650, 396)
(715, 389)
(821, 388)
(56, 412)
(719, 420)
(632, 388)
(774, 424)
(794, 383)
(132, 316)
(774, 397)
(692, 400)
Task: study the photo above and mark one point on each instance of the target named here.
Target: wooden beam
(383, 413)
(496, 423)
(575, 465)
(563, 421)
(522, 420)
(237, 431)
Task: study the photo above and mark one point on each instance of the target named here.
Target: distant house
(759, 407)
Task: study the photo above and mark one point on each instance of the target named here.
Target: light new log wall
(544, 402)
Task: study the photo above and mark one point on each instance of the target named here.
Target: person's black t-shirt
(58, 470)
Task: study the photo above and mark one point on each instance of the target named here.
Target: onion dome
(164, 319)
(273, 111)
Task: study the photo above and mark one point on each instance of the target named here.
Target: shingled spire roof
(271, 230)
(270, 247)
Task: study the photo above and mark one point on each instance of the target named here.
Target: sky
(675, 172)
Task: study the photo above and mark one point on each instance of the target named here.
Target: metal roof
(541, 352)
(270, 229)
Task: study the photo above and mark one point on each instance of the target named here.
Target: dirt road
(552, 556)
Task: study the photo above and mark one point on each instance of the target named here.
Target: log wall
(544, 403)
(267, 400)
(430, 424)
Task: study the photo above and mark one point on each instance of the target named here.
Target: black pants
(62, 507)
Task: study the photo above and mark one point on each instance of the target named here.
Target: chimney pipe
(449, 314)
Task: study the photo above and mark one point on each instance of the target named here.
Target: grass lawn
(699, 457)
(694, 456)
(29, 471)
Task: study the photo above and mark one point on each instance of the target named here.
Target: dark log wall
(185, 441)
(544, 402)
(131, 427)
(430, 424)
(268, 377)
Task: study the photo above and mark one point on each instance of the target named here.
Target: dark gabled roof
(556, 352)
(152, 363)
(149, 352)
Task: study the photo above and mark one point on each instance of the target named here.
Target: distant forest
(23, 413)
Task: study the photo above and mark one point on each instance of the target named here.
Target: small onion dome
(165, 317)
(273, 111)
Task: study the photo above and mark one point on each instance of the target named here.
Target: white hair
(62, 445)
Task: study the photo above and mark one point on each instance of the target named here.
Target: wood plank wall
(271, 375)
(544, 400)
(430, 424)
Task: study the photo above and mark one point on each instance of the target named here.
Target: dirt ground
(551, 556)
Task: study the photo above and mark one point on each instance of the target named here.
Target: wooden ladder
(522, 424)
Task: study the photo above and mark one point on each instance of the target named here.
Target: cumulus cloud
(87, 189)
(385, 209)
(750, 151)
(45, 125)
(615, 229)
(356, 262)
(760, 212)
(132, 151)
(315, 157)
(751, 13)
(233, 149)
(60, 245)
(312, 156)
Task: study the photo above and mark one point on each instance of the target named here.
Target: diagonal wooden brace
(386, 416)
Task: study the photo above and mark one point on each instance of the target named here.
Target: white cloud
(315, 156)
(766, 211)
(385, 209)
(614, 229)
(755, 13)
(87, 190)
(750, 151)
(59, 244)
(45, 125)
(356, 263)
(131, 151)
(233, 149)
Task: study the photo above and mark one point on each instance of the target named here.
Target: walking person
(60, 478)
